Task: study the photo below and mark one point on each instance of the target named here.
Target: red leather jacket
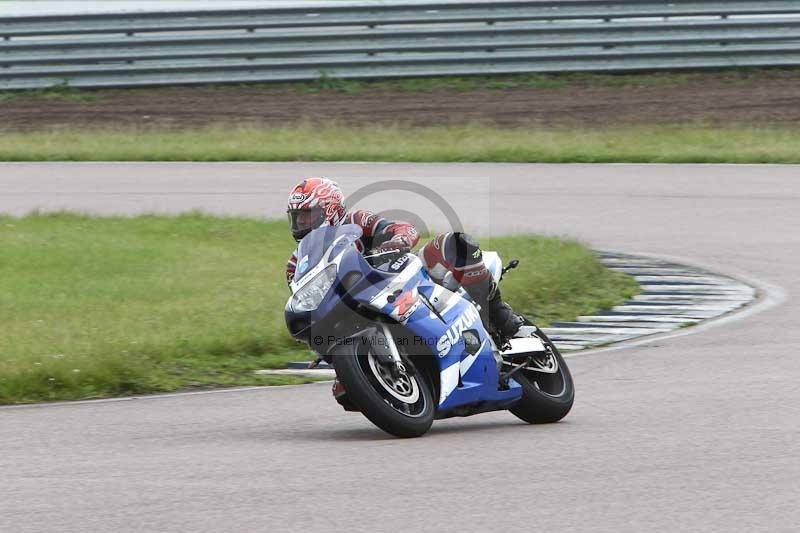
(377, 230)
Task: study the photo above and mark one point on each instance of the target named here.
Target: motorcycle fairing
(465, 378)
(405, 293)
(318, 249)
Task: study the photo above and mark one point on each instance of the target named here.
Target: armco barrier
(369, 39)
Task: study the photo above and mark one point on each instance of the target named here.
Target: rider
(317, 202)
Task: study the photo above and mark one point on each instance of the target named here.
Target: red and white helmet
(313, 203)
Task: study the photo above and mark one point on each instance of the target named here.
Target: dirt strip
(757, 98)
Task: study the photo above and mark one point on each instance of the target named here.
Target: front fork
(391, 356)
(383, 346)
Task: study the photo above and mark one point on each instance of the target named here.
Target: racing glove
(398, 243)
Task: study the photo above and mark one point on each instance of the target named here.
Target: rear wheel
(546, 396)
(396, 402)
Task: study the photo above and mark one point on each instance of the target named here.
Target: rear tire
(375, 401)
(546, 398)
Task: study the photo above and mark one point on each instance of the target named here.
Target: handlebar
(385, 257)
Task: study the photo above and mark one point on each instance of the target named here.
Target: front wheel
(398, 403)
(546, 397)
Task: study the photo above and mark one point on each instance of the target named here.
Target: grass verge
(59, 91)
(664, 144)
(328, 82)
(511, 81)
(98, 307)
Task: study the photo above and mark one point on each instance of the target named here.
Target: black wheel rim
(553, 385)
(396, 392)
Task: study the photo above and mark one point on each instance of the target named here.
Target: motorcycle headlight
(311, 294)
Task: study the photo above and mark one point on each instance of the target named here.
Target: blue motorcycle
(407, 350)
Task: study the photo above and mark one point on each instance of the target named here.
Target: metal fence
(381, 39)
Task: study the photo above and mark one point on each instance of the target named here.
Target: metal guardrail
(368, 39)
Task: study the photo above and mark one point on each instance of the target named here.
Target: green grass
(664, 144)
(97, 307)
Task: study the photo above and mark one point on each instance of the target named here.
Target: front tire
(403, 407)
(546, 398)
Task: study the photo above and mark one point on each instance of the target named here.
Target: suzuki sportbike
(407, 350)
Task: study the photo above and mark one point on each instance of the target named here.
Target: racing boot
(496, 314)
(465, 254)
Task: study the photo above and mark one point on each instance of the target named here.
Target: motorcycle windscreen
(324, 243)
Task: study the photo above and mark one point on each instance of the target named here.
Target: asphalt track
(695, 432)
